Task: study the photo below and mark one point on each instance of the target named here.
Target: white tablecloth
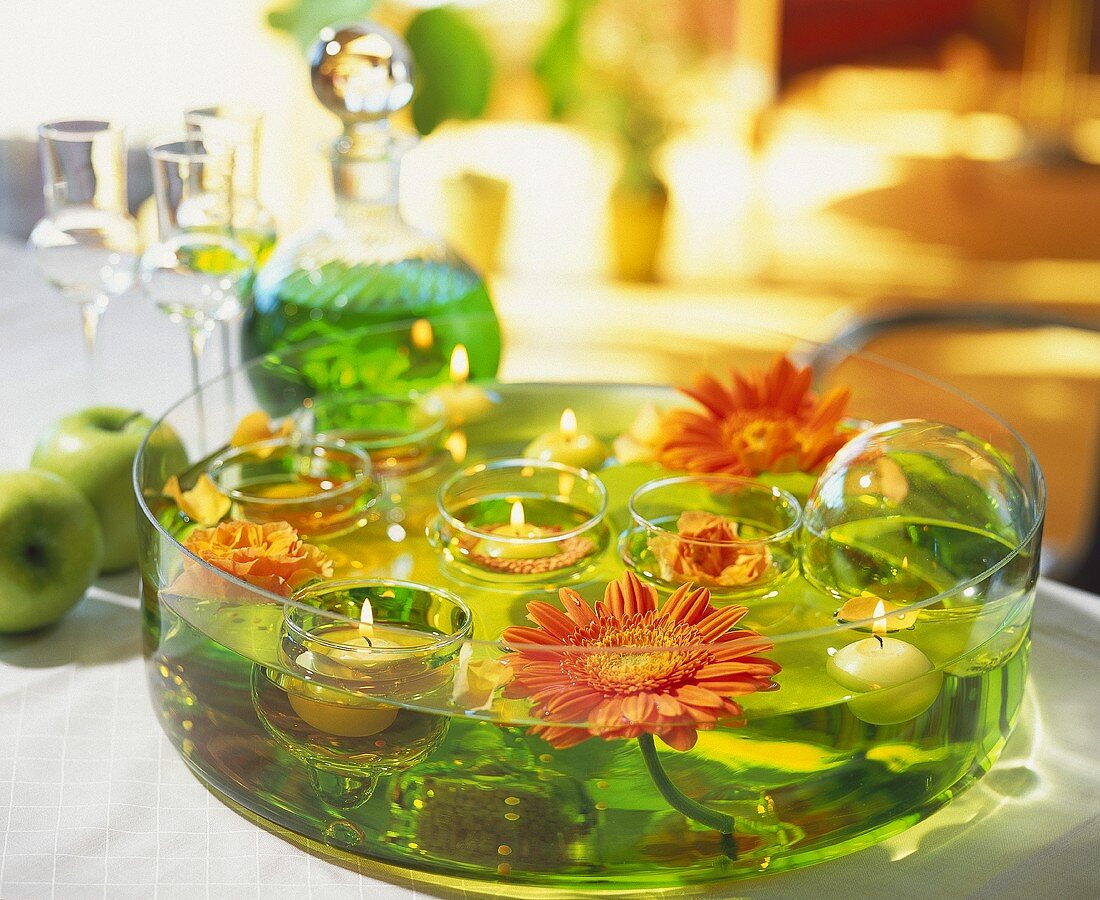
(94, 802)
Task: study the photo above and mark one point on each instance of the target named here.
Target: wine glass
(196, 270)
(87, 244)
(237, 128)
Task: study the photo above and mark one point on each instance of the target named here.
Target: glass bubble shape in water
(196, 275)
(86, 253)
(912, 509)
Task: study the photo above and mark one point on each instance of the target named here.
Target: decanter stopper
(362, 72)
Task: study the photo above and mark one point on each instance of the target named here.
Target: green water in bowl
(805, 777)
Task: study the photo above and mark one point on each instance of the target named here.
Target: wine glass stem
(226, 329)
(199, 332)
(90, 313)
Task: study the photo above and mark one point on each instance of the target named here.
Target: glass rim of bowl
(1032, 473)
(590, 478)
(414, 400)
(363, 476)
(297, 605)
(789, 500)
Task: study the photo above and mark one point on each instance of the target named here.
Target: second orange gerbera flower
(608, 667)
(765, 422)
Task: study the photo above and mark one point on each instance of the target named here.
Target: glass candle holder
(322, 488)
(402, 435)
(522, 519)
(345, 697)
(733, 535)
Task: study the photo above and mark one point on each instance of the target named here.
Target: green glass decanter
(366, 266)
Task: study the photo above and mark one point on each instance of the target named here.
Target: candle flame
(366, 620)
(878, 625)
(457, 445)
(422, 336)
(568, 423)
(460, 364)
(517, 514)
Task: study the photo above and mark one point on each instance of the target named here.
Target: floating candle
(569, 446)
(517, 527)
(895, 680)
(463, 402)
(347, 652)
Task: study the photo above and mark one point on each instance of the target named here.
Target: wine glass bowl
(87, 244)
(196, 277)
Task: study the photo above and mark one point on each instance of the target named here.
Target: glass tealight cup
(323, 488)
(403, 436)
(521, 520)
(735, 536)
(355, 700)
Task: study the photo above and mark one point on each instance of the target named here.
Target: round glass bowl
(521, 519)
(911, 509)
(732, 535)
(340, 702)
(401, 435)
(465, 788)
(323, 488)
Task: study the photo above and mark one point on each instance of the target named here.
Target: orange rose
(708, 550)
(270, 556)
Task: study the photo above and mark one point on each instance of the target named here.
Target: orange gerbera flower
(765, 422)
(270, 556)
(620, 693)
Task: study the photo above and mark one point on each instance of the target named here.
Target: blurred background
(920, 178)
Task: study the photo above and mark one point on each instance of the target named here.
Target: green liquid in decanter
(328, 304)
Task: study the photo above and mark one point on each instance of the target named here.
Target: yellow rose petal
(257, 426)
(204, 503)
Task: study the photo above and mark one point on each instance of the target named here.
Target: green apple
(94, 451)
(50, 548)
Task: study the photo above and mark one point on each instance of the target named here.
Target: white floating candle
(462, 402)
(569, 446)
(893, 679)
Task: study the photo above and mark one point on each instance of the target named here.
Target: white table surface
(95, 803)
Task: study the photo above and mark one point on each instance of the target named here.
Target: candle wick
(371, 645)
(878, 637)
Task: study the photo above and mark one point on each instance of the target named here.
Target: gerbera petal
(554, 621)
(576, 607)
(572, 703)
(680, 737)
(608, 714)
(688, 604)
(693, 695)
(709, 392)
(561, 738)
(521, 634)
(719, 622)
(668, 706)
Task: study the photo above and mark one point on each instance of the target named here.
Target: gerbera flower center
(757, 430)
(645, 670)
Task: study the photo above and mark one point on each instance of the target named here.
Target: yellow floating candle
(462, 402)
(569, 446)
(517, 527)
(895, 681)
(356, 649)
